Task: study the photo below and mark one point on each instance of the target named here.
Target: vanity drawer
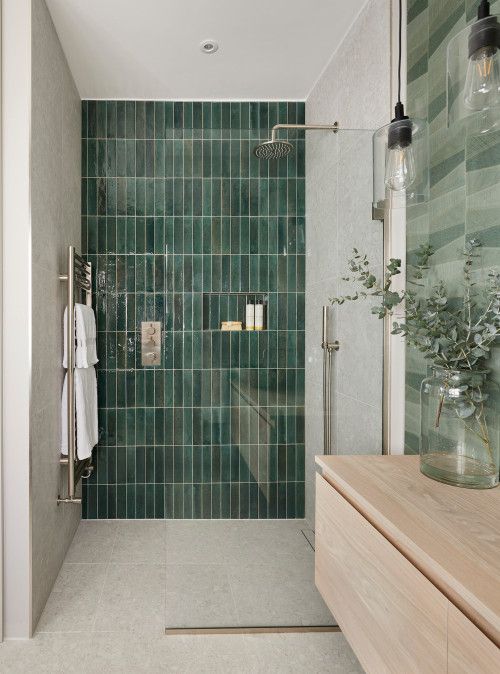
(469, 650)
(393, 617)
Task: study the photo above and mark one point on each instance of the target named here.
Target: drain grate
(298, 629)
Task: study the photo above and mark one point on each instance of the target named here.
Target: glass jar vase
(459, 431)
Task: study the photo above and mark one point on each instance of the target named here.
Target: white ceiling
(149, 49)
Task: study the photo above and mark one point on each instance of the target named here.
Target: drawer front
(393, 617)
(469, 650)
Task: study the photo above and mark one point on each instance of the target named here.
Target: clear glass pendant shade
(473, 80)
(482, 83)
(401, 168)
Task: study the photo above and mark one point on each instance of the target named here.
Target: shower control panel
(151, 343)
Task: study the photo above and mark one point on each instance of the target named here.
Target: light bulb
(400, 170)
(482, 85)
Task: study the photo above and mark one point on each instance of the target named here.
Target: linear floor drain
(295, 629)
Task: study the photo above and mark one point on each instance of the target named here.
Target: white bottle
(259, 315)
(250, 317)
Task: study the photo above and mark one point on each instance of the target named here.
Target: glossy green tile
(192, 161)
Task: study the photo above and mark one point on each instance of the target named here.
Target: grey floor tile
(327, 653)
(120, 653)
(44, 654)
(139, 541)
(215, 654)
(270, 566)
(189, 542)
(93, 542)
(72, 604)
(133, 599)
(270, 594)
(260, 542)
(199, 596)
(125, 654)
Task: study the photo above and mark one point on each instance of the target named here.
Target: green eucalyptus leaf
(464, 409)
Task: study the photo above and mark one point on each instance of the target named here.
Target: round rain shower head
(273, 149)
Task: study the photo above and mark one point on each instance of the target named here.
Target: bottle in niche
(259, 315)
(250, 316)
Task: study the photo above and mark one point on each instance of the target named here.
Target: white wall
(16, 95)
(354, 90)
(41, 183)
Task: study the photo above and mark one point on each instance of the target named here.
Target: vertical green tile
(194, 162)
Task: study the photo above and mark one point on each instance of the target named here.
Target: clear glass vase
(459, 433)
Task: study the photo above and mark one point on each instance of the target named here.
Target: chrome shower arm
(304, 127)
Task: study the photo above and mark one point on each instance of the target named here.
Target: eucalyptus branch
(451, 337)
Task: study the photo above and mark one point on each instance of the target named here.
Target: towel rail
(78, 277)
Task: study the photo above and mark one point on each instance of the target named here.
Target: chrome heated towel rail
(79, 279)
(328, 349)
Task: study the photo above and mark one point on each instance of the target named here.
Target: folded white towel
(86, 334)
(86, 413)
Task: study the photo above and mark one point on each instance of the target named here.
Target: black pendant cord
(483, 10)
(401, 133)
(400, 47)
(399, 111)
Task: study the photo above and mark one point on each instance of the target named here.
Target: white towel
(86, 334)
(85, 410)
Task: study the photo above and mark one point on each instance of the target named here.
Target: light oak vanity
(409, 567)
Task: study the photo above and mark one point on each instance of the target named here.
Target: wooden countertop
(452, 535)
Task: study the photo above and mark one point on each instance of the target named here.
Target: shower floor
(150, 575)
(123, 582)
(241, 574)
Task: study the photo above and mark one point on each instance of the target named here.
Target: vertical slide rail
(328, 349)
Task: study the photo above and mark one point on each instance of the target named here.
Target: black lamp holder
(400, 129)
(485, 32)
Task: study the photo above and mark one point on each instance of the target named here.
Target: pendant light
(400, 153)
(482, 84)
(400, 170)
(473, 73)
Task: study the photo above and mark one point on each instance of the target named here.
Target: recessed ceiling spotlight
(209, 46)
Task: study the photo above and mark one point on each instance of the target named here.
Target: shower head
(277, 149)
(273, 149)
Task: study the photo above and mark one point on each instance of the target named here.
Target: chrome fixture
(151, 343)
(482, 85)
(78, 277)
(277, 149)
(328, 349)
(209, 46)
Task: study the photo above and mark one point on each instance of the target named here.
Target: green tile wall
(464, 172)
(178, 217)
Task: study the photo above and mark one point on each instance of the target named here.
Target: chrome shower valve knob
(151, 343)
